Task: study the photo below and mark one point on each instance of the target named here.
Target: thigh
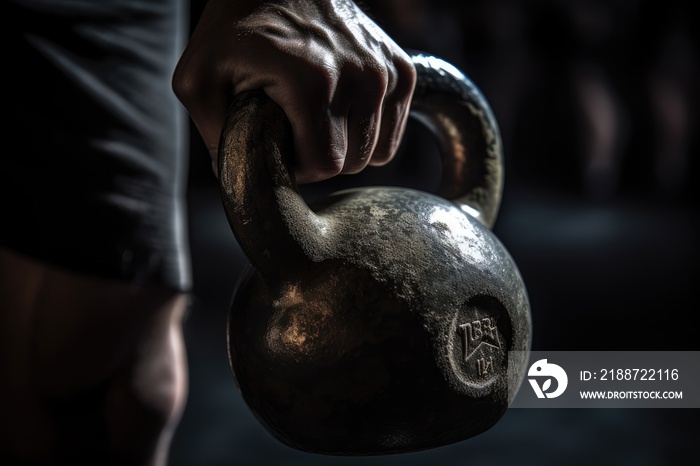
(93, 367)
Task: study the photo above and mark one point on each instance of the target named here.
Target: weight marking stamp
(478, 332)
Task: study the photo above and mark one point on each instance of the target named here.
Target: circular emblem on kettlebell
(479, 340)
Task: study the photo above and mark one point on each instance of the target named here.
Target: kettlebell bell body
(379, 320)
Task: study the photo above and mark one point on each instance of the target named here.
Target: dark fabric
(92, 176)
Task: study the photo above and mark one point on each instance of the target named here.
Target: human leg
(94, 370)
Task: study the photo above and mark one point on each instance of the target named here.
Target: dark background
(598, 107)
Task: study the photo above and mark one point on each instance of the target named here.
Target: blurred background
(598, 107)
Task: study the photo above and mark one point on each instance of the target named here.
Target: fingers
(357, 122)
(394, 114)
(367, 93)
(335, 131)
(320, 142)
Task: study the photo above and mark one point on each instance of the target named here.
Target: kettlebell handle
(455, 111)
(261, 198)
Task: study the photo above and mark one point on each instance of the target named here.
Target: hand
(344, 85)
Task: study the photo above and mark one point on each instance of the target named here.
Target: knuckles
(184, 85)
(319, 171)
(406, 75)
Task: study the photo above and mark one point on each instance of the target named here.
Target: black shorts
(93, 172)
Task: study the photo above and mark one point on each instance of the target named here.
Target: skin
(94, 371)
(344, 85)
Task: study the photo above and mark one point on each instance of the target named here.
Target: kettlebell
(379, 319)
